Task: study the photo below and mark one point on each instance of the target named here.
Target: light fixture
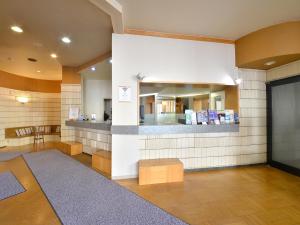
(238, 80)
(270, 63)
(16, 29)
(53, 55)
(22, 99)
(192, 95)
(38, 71)
(66, 40)
(140, 77)
(93, 68)
(149, 94)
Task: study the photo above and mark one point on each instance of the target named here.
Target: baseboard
(194, 170)
(223, 167)
(124, 177)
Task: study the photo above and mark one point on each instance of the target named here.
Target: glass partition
(171, 103)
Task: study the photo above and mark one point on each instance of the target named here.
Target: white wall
(160, 59)
(95, 91)
(125, 155)
(163, 59)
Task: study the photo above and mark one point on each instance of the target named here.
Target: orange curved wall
(279, 42)
(16, 82)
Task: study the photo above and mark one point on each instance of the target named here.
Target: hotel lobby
(149, 112)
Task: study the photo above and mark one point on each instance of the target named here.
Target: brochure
(229, 116)
(212, 115)
(188, 116)
(202, 117)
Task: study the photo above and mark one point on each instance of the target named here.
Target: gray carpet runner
(9, 185)
(81, 196)
(4, 156)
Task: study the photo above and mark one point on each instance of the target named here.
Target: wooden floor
(30, 207)
(258, 195)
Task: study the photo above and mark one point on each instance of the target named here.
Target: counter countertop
(155, 129)
(97, 125)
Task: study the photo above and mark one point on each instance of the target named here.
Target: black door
(283, 112)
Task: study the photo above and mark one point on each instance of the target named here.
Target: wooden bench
(101, 160)
(154, 171)
(70, 147)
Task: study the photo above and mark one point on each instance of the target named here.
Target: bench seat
(70, 147)
(154, 171)
(101, 160)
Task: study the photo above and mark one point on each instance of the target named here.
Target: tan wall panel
(70, 75)
(232, 98)
(281, 42)
(16, 82)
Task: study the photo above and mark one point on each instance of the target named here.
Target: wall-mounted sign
(124, 94)
(73, 113)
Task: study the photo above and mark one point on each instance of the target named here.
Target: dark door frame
(269, 86)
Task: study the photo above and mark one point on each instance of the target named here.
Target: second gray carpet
(9, 185)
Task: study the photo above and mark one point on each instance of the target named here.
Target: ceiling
(103, 71)
(230, 19)
(44, 23)
(90, 26)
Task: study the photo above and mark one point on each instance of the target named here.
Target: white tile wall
(42, 109)
(70, 97)
(288, 70)
(205, 150)
(93, 140)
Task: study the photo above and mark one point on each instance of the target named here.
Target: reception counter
(154, 129)
(97, 125)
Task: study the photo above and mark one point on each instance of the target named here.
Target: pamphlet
(202, 117)
(194, 118)
(188, 116)
(212, 115)
(229, 116)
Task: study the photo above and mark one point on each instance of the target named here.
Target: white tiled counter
(93, 135)
(222, 149)
(93, 140)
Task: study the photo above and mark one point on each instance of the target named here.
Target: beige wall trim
(284, 71)
(12, 81)
(114, 9)
(178, 36)
(94, 61)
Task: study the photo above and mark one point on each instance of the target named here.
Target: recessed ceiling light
(270, 63)
(16, 29)
(93, 68)
(53, 55)
(38, 71)
(66, 40)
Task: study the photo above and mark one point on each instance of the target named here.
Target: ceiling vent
(32, 59)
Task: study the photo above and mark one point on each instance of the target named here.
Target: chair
(38, 134)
